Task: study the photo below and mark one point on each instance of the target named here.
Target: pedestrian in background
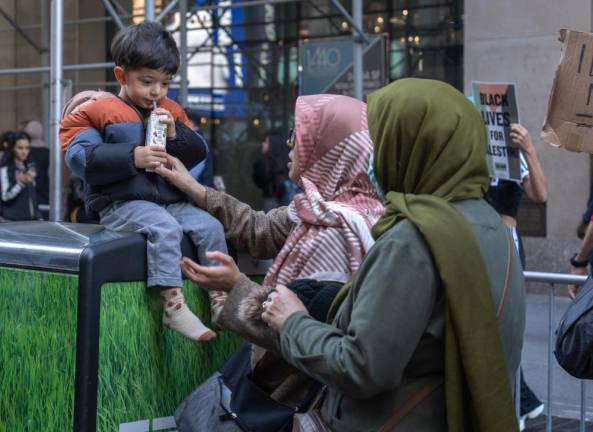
(505, 196)
(17, 181)
(270, 172)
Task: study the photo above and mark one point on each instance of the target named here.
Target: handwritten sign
(497, 104)
(569, 119)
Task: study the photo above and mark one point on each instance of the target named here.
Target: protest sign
(569, 119)
(497, 103)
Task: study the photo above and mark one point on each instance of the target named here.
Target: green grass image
(144, 370)
(37, 350)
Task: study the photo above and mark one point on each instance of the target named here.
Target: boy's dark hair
(145, 45)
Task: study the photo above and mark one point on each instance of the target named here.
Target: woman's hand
(175, 172)
(21, 177)
(222, 277)
(280, 304)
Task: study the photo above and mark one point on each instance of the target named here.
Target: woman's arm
(242, 314)
(9, 191)
(535, 184)
(260, 234)
(392, 300)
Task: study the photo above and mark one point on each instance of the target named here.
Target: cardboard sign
(569, 119)
(497, 103)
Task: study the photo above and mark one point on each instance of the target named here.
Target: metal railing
(554, 279)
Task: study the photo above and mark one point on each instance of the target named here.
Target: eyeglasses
(290, 140)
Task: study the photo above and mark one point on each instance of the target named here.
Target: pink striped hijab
(339, 204)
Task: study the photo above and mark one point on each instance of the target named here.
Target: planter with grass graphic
(80, 352)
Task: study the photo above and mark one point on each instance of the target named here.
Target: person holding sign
(505, 196)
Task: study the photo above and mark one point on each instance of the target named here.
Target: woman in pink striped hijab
(333, 216)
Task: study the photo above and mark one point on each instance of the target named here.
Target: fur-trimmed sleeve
(242, 314)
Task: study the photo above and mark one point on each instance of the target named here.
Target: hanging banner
(497, 103)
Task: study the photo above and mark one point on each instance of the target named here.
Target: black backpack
(574, 335)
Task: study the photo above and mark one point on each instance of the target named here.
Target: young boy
(104, 143)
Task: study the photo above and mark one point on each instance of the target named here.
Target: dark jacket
(99, 141)
(19, 200)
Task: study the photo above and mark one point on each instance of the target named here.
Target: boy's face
(142, 86)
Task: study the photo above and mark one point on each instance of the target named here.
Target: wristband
(578, 264)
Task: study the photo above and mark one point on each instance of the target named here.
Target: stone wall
(517, 41)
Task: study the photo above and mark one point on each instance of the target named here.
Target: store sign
(326, 66)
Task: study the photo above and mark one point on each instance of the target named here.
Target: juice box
(156, 133)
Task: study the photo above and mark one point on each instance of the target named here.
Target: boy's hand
(169, 121)
(149, 157)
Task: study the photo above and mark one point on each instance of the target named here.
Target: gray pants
(164, 226)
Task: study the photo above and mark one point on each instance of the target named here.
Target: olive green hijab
(430, 151)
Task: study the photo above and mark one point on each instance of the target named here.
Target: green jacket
(387, 341)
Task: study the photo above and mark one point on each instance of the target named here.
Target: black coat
(19, 200)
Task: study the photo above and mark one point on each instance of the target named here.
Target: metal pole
(183, 53)
(40, 69)
(87, 66)
(56, 76)
(113, 13)
(168, 9)
(286, 65)
(148, 10)
(554, 278)
(351, 20)
(357, 63)
(233, 5)
(583, 408)
(518, 392)
(550, 364)
(45, 9)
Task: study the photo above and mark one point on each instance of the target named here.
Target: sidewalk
(566, 390)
